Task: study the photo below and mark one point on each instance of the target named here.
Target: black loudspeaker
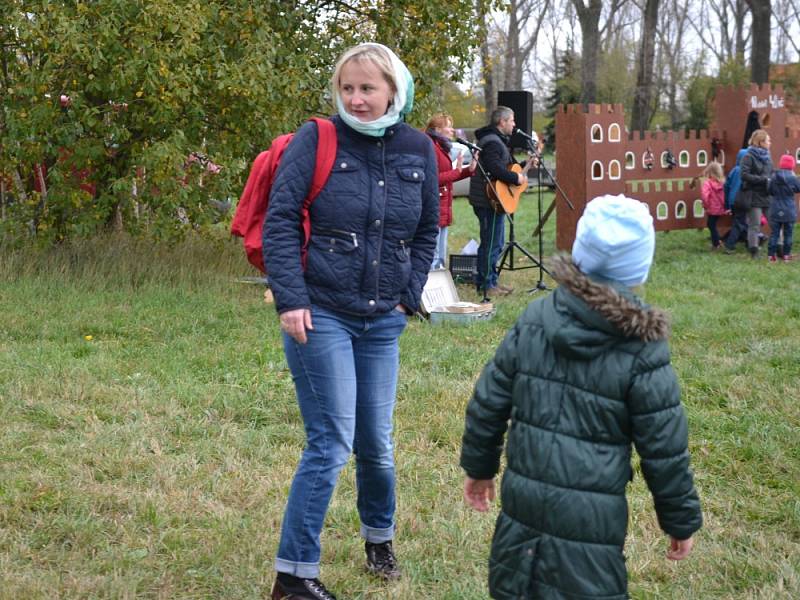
(521, 102)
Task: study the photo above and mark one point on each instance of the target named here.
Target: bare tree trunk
(643, 99)
(512, 57)
(487, 72)
(760, 48)
(22, 196)
(741, 40)
(589, 19)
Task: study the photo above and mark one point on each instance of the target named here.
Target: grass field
(148, 428)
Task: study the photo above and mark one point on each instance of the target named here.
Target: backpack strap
(326, 155)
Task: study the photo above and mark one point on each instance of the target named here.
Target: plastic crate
(464, 267)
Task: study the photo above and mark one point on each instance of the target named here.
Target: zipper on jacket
(347, 233)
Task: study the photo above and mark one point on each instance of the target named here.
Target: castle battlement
(601, 156)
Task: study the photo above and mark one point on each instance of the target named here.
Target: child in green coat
(582, 376)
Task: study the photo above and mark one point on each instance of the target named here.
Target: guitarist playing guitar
(498, 165)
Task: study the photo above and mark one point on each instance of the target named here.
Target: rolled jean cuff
(377, 536)
(298, 569)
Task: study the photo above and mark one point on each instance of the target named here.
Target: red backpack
(248, 221)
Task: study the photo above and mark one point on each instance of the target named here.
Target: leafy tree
(699, 94)
(566, 90)
(117, 95)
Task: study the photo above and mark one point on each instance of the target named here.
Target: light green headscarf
(401, 105)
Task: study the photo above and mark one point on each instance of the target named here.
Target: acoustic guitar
(507, 197)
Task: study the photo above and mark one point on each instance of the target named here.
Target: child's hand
(679, 549)
(478, 493)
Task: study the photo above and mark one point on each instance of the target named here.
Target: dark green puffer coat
(583, 373)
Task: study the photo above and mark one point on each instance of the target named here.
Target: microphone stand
(541, 285)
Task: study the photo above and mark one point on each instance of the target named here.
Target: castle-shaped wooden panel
(596, 155)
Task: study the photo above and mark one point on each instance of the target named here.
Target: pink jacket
(713, 196)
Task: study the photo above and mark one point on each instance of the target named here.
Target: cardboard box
(440, 302)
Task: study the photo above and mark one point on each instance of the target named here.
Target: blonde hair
(365, 53)
(758, 136)
(440, 121)
(714, 171)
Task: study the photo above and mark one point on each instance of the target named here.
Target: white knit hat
(615, 240)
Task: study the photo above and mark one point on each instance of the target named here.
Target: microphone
(469, 145)
(531, 138)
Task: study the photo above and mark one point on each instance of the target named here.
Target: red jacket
(447, 175)
(713, 196)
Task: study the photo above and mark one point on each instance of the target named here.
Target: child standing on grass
(783, 210)
(713, 196)
(733, 184)
(583, 374)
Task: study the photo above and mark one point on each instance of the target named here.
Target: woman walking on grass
(756, 169)
(373, 231)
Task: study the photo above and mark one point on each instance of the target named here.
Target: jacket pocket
(332, 257)
(395, 268)
(512, 559)
(411, 179)
(345, 176)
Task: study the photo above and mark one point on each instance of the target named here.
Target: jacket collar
(614, 302)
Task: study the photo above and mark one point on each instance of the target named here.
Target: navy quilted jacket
(783, 186)
(373, 225)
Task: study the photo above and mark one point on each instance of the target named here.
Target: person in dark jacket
(583, 374)
(783, 210)
(756, 169)
(733, 183)
(495, 158)
(440, 130)
(373, 231)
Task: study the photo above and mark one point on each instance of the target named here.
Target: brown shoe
(506, 288)
(496, 292)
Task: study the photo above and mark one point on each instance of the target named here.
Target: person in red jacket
(440, 130)
(713, 194)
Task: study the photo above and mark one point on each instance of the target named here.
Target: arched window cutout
(765, 120)
(614, 170)
(664, 163)
(721, 158)
(647, 160)
(630, 160)
(613, 132)
(597, 170)
(683, 158)
(597, 133)
(662, 211)
(797, 155)
(680, 209)
(698, 210)
(702, 158)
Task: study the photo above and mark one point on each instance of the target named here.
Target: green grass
(153, 460)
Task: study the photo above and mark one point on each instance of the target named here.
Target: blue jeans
(711, 221)
(775, 232)
(492, 232)
(346, 379)
(738, 226)
(440, 253)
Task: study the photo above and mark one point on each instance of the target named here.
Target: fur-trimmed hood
(590, 314)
